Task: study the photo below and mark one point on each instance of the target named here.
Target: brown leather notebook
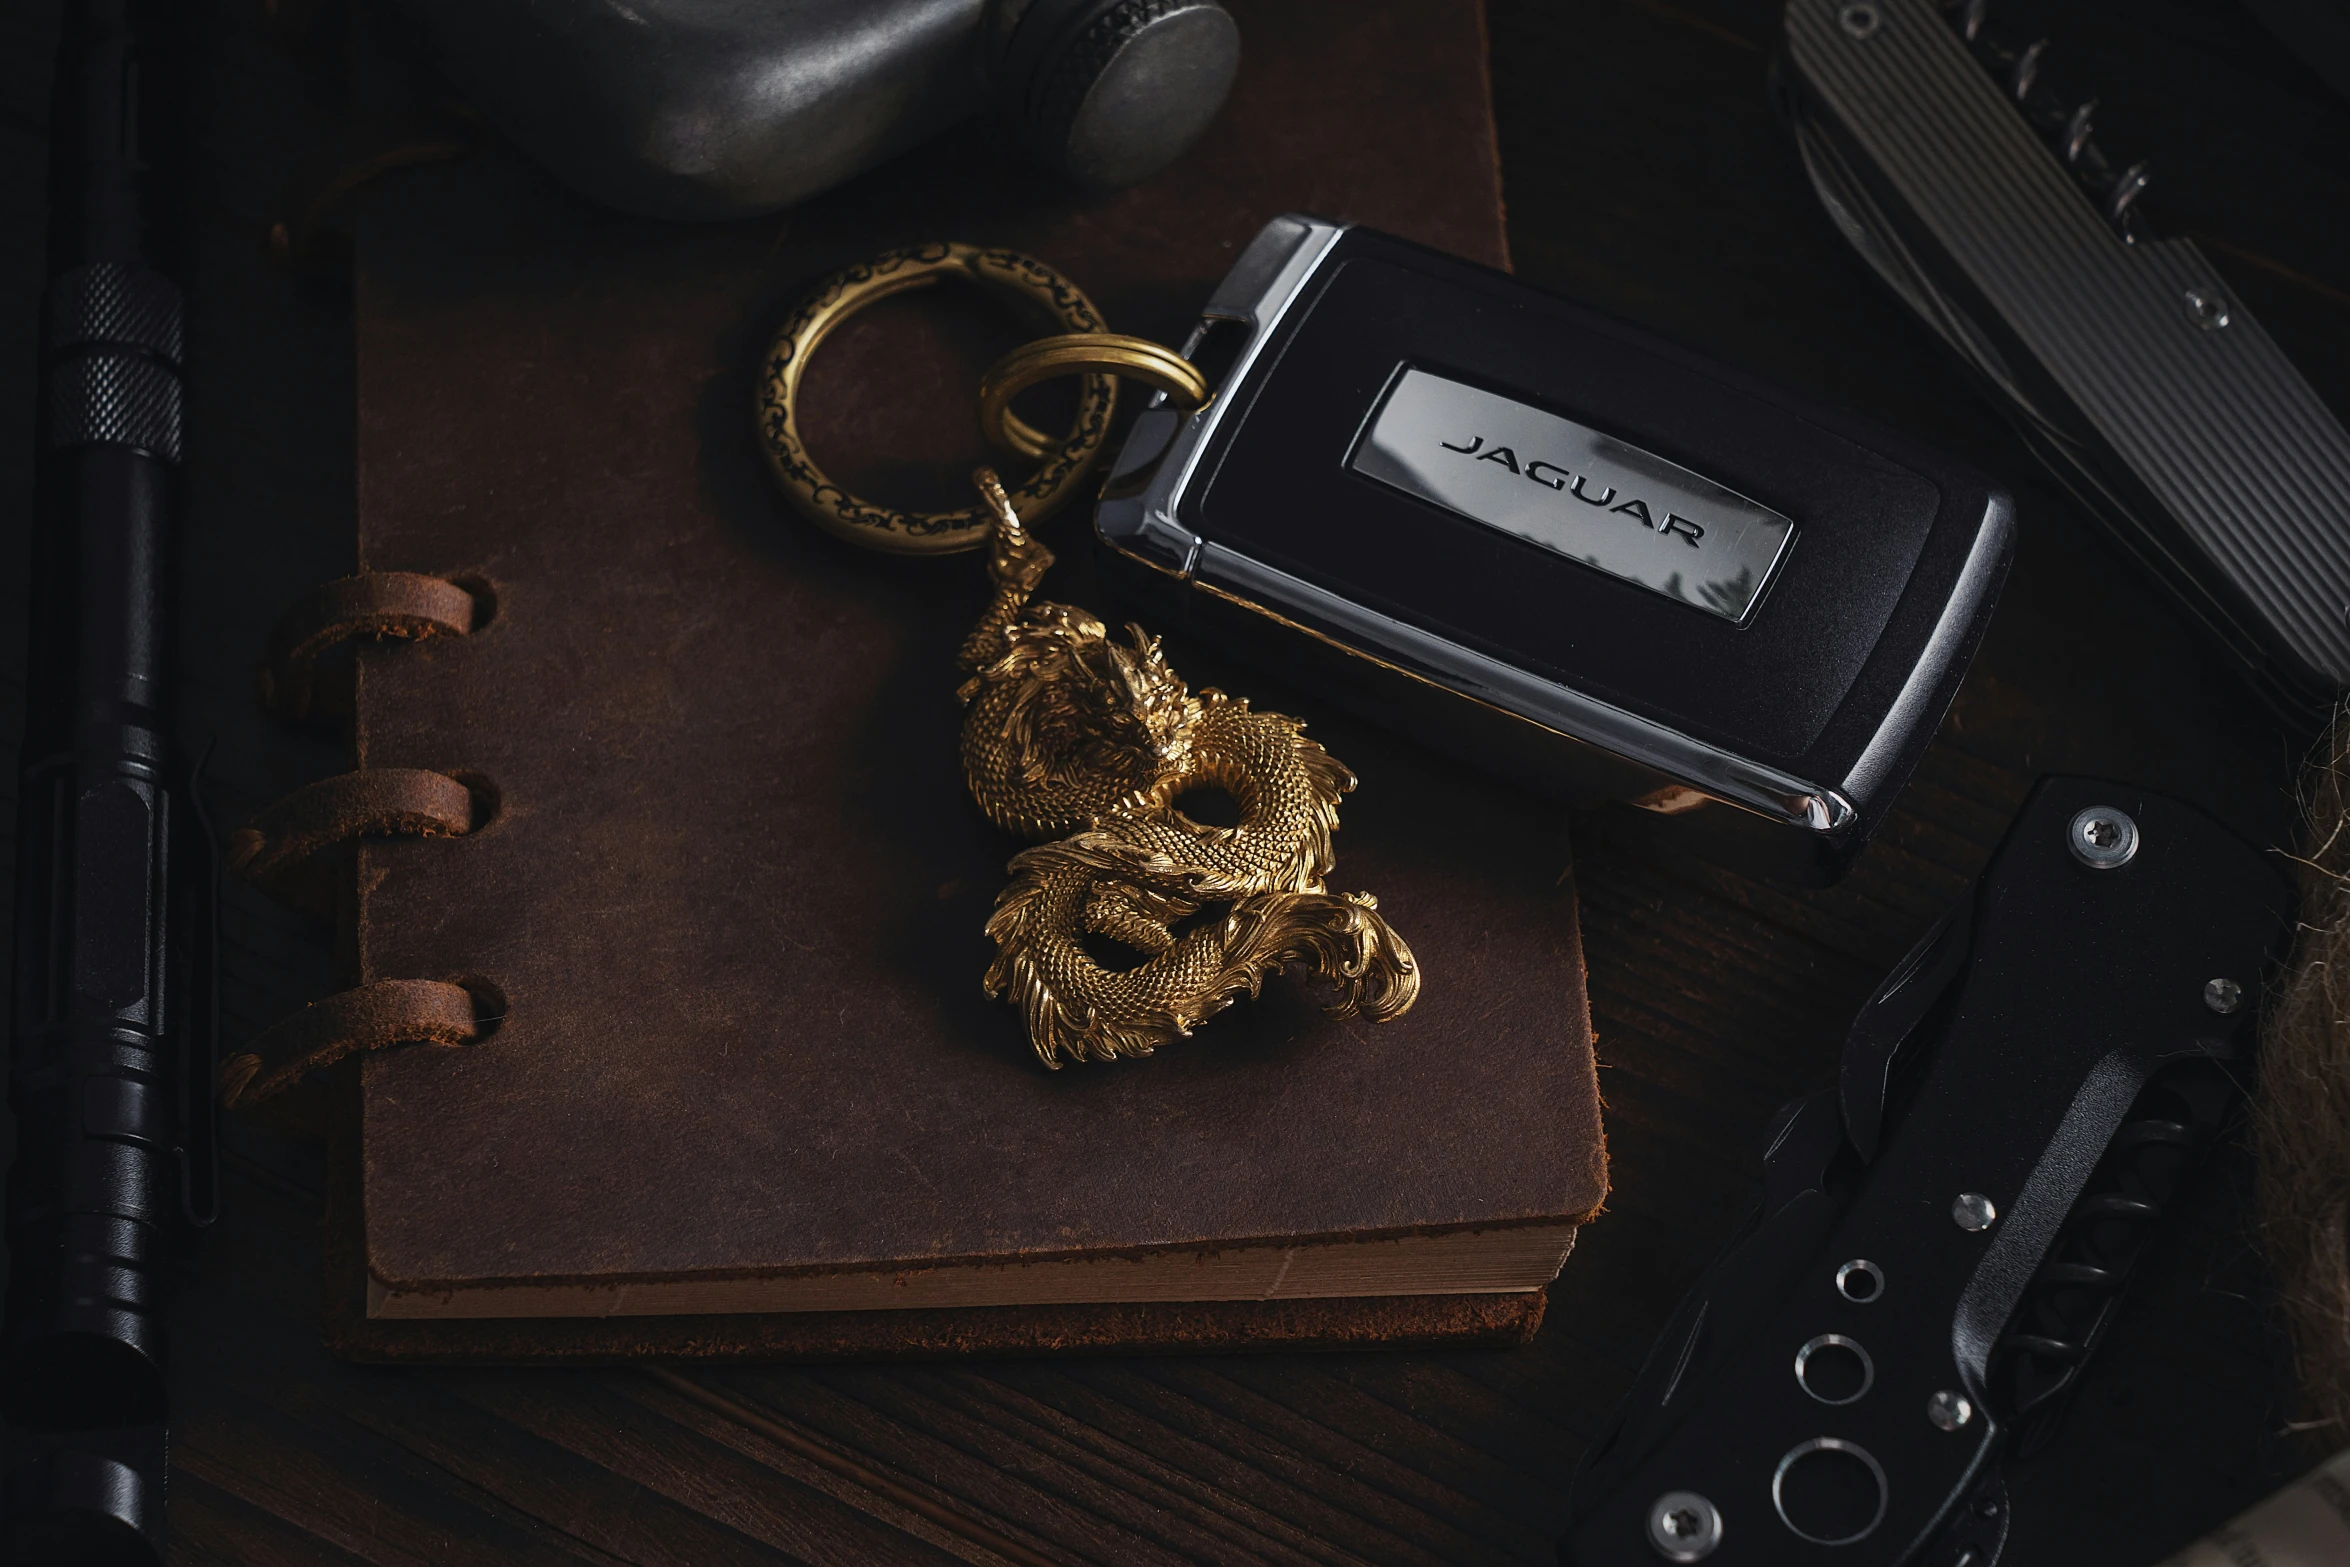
(743, 1094)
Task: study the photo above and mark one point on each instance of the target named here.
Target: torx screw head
(1860, 19)
(2206, 309)
(2103, 838)
(1949, 1410)
(2222, 995)
(1684, 1527)
(1973, 1212)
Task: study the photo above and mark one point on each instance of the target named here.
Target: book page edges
(1462, 1262)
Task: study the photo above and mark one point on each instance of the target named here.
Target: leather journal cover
(729, 896)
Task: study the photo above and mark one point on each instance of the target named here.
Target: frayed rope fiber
(2301, 1109)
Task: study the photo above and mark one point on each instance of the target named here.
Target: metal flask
(1549, 542)
(726, 108)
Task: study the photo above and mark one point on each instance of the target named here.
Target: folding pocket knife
(1945, 1235)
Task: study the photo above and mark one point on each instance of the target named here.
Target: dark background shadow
(1644, 174)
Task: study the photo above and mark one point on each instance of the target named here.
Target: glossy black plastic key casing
(1775, 737)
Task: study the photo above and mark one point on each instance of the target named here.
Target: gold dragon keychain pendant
(1073, 736)
(1085, 744)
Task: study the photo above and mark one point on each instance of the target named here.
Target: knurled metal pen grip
(93, 1080)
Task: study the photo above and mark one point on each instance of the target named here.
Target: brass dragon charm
(1075, 737)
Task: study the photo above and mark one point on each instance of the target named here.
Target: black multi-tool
(1981, 197)
(1944, 1236)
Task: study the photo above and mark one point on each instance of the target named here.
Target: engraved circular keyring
(1039, 291)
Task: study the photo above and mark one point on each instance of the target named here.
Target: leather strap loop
(371, 1017)
(370, 604)
(375, 802)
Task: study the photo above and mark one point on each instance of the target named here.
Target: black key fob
(1557, 545)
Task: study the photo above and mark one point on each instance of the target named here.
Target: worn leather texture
(734, 892)
(375, 1016)
(382, 802)
(372, 604)
(1168, 1327)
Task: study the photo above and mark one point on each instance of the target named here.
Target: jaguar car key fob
(1945, 1237)
(1556, 544)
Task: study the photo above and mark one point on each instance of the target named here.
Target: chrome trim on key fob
(1557, 547)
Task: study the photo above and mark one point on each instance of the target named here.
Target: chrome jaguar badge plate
(1570, 489)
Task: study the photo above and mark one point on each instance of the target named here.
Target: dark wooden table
(1645, 174)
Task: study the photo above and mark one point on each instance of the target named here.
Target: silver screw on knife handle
(2103, 838)
(1684, 1527)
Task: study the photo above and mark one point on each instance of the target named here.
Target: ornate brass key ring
(1086, 744)
(1084, 346)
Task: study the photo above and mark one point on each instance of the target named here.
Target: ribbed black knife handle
(94, 1195)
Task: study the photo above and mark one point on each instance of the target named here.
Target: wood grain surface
(1645, 174)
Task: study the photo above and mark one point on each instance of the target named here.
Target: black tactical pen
(113, 1153)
